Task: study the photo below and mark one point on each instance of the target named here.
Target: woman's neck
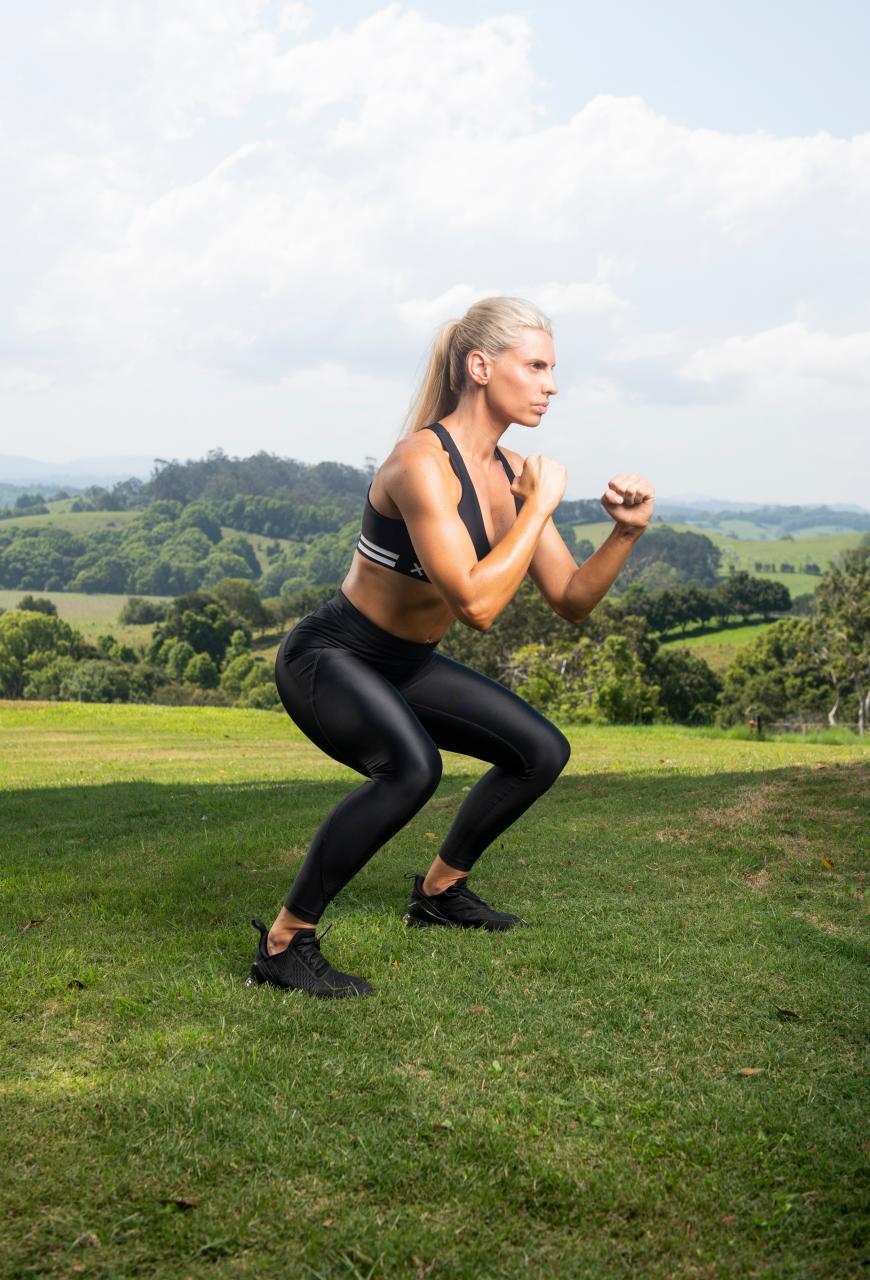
(475, 430)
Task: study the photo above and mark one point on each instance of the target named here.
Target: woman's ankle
(280, 939)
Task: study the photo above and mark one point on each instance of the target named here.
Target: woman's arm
(476, 591)
(574, 590)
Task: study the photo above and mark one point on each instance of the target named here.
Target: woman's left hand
(628, 499)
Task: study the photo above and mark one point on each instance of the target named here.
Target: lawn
(662, 1076)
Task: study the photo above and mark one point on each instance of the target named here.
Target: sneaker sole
(258, 979)
(417, 922)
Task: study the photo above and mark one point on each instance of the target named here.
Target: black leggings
(383, 706)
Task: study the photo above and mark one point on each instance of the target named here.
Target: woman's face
(518, 383)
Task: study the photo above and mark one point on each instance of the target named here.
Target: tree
(139, 612)
(842, 623)
(779, 674)
(689, 689)
(37, 604)
(96, 680)
(23, 636)
(241, 596)
(202, 671)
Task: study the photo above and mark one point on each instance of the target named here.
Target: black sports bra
(385, 539)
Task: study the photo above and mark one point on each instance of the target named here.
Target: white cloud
(783, 360)
(254, 197)
(12, 379)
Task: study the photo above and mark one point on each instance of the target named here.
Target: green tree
(241, 596)
(96, 680)
(779, 675)
(689, 688)
(24, 634)
(201, 670)
(841, 625)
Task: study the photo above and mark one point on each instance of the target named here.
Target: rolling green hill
(745, 553)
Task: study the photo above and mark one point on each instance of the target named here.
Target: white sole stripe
(373, 555)
(384, 551)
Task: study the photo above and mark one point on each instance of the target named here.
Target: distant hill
(759, 522)
(22, 473)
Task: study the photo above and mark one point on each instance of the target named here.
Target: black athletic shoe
(457, 906)
(301, 967)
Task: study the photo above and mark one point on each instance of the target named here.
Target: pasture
(93, 614)
(743, 553)
(662, 1076)
(718, 648)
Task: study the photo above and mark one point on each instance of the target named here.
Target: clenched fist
(542, 481)
(628, 499)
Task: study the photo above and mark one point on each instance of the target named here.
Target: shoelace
(318, 962)
(465, 892)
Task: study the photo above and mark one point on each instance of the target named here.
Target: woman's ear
(478, 367)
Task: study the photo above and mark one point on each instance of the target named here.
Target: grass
(80, 522)
(91, 614)
(742, 553)
(718, 648)
(569, 1100)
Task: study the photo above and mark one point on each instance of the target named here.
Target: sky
(237, 224)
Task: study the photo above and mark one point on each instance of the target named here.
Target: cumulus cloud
(787, 357)
(267, 197)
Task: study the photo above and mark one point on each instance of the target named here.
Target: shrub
(201, 670)
(38, 604)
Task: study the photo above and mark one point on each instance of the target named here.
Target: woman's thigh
(465, 711)
(355, 714)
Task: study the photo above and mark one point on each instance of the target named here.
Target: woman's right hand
(542, 481)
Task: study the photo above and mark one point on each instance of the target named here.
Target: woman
(452, 524)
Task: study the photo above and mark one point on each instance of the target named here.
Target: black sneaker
(301, 967)
(457, 906)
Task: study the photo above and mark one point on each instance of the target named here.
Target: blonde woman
(452, 524)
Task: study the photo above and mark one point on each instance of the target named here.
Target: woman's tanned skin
(417, 483)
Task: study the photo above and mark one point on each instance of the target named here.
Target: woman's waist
(338, 622)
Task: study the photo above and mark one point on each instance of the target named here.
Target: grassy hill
(658, 1077)
(81, 522)
(92, 615)
(718, 648)
(741, 553)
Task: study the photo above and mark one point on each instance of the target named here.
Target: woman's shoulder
(516, 460)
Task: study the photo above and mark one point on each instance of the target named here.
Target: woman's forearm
(494, 581)
(592, 580)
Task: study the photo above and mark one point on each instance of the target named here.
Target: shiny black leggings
(384, 706)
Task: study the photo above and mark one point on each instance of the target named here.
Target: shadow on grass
(179, 852)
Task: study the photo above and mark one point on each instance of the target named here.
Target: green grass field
(742, 553)
(80, 522)
(662, 1076)
(91, 614)
(718, 648)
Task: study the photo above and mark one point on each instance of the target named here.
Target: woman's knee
(552, 752)
(419, 773)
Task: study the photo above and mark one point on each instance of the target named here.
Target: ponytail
(492, 325)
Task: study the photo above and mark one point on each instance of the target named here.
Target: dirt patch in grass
(751, 804)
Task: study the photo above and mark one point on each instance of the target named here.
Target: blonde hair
(492, 326)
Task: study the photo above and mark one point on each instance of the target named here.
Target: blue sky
(238, 224)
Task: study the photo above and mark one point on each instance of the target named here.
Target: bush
(689, 688)
(201, 671)
(261, 697)
(235, 673)
(138, 612)
(97, 680)
(38, 604)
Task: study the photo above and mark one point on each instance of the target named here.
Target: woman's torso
(385, 581)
